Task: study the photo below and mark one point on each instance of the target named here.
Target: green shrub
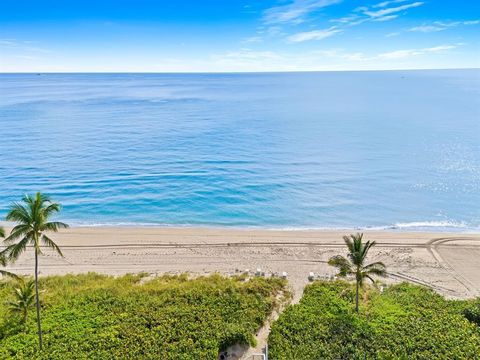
(472, 313)
(405, 322)
(100, 317)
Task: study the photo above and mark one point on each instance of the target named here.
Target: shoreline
(446, 262)
(431, 227)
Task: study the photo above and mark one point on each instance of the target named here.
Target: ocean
(324, 150)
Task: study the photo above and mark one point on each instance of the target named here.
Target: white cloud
(22, 45)
(7, 42)
(448, 24)
(398, 54)
(295, 11)
(346, 19)
(426, 28)
(328, 59)
(252, 39)
(388, 11)
(246, 57)
(386, 3)
(385, 18)
(440, 48)
(360, 9)
(314, 35)
(28, 57)
(251, 60)
(401, 54)
(243, 59)
(442, 25)
(393, 34)
(340, 54)
(270, 31)
(363, 14)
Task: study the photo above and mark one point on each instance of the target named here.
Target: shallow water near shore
(377, 150)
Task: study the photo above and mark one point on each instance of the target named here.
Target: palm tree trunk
(38, 302)
(356, 299)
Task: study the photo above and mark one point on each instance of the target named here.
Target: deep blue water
(295, 150)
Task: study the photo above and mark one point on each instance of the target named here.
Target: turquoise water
(295, 150)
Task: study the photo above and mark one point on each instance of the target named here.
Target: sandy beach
(445, 262)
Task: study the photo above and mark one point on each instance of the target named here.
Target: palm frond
(3, 263)
(366, 248)
(36, 205)
(355, 248)
(24, 297)
(3, 260)
(2, 232)
(6, 273)
(377, 264)
(41, 198)
(342, 264)
(51, 244)
(377, 268)
(358, 237)
(349, 242)
(9, 274)
(41, 203)
(19, 231)
(54, 226)
(12, 252)
(51, 209)
(19, 213)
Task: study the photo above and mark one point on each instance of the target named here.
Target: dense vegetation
(99, 317)
(472, 312)
(403, 322)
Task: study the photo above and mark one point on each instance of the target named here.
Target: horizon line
(233, 72)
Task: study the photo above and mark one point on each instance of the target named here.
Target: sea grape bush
(472, 313)
(403, 322)
(171, 317)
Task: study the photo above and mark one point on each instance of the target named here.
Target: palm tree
(3, 260)
(24, 299)
(355, 263)
(32, 218)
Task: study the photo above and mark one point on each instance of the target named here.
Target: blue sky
(237, 35)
